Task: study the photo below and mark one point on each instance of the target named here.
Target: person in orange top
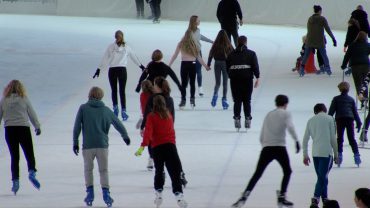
(159, 133)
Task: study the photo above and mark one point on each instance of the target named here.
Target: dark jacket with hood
(242, 64)
(227, 11)
(344, 106)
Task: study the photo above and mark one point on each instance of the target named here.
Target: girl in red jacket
(159, 133)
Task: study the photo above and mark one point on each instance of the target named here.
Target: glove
(343, 67)
(139, 151)
(76, 149)
(334, 43)
(127, 140)
(38, 132)
(306, 161)
(297, 147)
(138, 88)
(96, 73)
(358, 127)
(142, 67)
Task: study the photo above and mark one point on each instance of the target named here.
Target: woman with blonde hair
(16, 111)
(221, 48)
(189, 55)
(193, 26)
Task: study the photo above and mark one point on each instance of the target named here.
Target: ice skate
(340, 159)
(281, 200)
(183, 179)
(357, 159)
(180, 200)
(150, 165)
(15, 187)
(124, 114)
(138, 124)
(33, 179)
(314, 203)
(214, 101)
(200, 91)
(89, 196)
(301, 72)
(106, 197)
(182, 104)
(115, 110)
(192, 103)
(237, 123)
(247, 123)
(158, 198)
(225, 105)
(241, 201)
(328, 72)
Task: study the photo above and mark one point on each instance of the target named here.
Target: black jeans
(241, 91)
(188, 73)
(156, 8)
(166, 155)
(140, 8)
(118, 74)
(232, 31)
(342, 124)
(269, 154)
(15, 136)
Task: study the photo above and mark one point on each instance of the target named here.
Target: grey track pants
(101, 155)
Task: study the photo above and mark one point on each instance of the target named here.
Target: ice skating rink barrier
(271, 12)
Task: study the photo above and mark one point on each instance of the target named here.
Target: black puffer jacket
(343, 106)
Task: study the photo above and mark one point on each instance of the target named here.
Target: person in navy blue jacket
(344, 108)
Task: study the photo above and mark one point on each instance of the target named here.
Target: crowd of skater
(238, 65)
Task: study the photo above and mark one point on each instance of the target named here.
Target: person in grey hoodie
(94, 118)
(316, 25)
(321, 128)
(16, 111)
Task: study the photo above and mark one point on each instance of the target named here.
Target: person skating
(16, 111)
(227, 13)
(242, 67)
(94, 119)
(321, 129)
(139, 8)
(147, 91)
(316, 25)
(193, 26)
(189, 54)
(159, 133)
(220, 49)
(361, 16)
(273, 142)
(344, 108)
(115, 58)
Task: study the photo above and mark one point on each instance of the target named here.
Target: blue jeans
(324, 56)
(322, 167)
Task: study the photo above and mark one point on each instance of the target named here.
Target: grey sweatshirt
(17, 111)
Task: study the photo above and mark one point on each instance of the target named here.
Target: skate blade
(149, 168)
(282, 206)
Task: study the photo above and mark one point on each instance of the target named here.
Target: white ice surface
(55, 57)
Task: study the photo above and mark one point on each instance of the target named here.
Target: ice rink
(56, 57)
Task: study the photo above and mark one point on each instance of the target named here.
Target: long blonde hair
(14, 86)
(193, 23)
(187, 44)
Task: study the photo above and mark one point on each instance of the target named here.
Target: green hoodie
(94, 118)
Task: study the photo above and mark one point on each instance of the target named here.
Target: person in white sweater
(272, 139)
(16, 111)
(321, 128)
(115, 58)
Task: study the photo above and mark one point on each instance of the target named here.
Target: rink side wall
(270, 12)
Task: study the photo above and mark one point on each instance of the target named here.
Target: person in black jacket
(361, 16)
(227, 12)
(156, 68)
(344, 108)
(155, 6)
(352, 32)
(242, 66)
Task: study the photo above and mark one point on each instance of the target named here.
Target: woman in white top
(16, 111)
(189, 55)
(193, 26)
(115, 58)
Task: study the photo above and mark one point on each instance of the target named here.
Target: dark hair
(159, 106)
(157, 55)
(363, 194)
(331, 204)
(222, 45)
(147, 86)
(242, 40)
(319, 107)
(162, 83)
(317, 8)
(281, 100)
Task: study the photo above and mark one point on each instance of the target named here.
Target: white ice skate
(180, 200)
(158, 198)
(150, 165)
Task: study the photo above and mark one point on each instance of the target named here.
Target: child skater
(94, 119)
(147, 87)
(16, 110)
(159, 133)
(221, 48)
(344, 108)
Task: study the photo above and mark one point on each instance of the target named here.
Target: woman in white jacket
(16, 111)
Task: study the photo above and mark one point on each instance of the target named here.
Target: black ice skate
(192, 103)
(314, 203)
(182, 104)
(281, 200)
(247, 123)
(241, 201)
(237, 123)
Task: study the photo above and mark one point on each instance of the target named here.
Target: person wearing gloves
(344, 108)
(321, 128)
(16, 111)
(316, 40)
(94, 118)
(273, 143)
(159, 133)
(115, 58)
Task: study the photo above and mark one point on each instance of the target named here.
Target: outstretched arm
(174, 56)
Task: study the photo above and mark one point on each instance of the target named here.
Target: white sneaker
(158, 198)
(180, 200)
(200, 89)
(150, 165)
